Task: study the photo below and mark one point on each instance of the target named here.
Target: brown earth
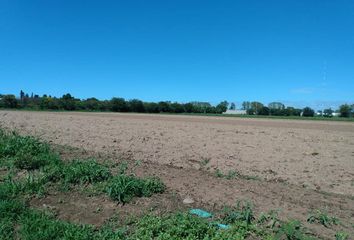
(313, 154)
(301, 165)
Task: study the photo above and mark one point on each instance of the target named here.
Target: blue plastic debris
(223, 226)
(200, 213)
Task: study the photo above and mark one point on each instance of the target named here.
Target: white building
(235, 112)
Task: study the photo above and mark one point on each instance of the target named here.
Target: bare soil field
(312, 154)
(286, 165)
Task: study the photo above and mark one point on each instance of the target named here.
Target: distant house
(235, 112)
(335, 114)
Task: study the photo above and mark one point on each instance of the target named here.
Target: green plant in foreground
(341, 236)
(242, 212)
(271, 219)
(231, 174)
(25, 152)
(323, 218)
(292, 230)
(123, 188)
(88, 171)
(218, 173)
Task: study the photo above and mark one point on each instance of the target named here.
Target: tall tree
(22, 95)
(9, 101)
(232, 106)
(308, 112)
(345, 110)
(222, 107)
(119, 105)
(256, 107)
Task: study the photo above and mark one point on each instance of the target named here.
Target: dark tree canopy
(116, 104)
(308, 112)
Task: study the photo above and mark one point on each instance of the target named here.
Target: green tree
(277, 108)
(276, 105)
(246, 105)
(345, 110)
(92, 104)
(177, 107)
(308, 112)
(151, 107)
(164, 106)
(189, 107)
(232, 106)
(136, 105)
(118, 105)
(264, 111)
(68, 102)
(256, 107)
(327, 112)
(222, 107)
(9, 101)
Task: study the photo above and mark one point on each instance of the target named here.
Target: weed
(341, 236)
(11, 209)
(176, 226)
(25, 152)
(40, 226)
(88, 171)
(6, 229)
(242, 212)
(323, 218)
(271, 219)
(292, 230)
(123, 188)
(204, 162)
(231, 174)
(123, 167)
(218, 173)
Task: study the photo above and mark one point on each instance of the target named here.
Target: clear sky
(296, 51)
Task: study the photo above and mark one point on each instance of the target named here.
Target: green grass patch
(123, 188)
(78, 172)
(24, 152)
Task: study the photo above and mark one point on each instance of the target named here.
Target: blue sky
(296, 51)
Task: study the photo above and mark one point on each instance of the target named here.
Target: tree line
(116, 104)
(279, 109)
(70, 103)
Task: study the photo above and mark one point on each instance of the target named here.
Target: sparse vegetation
(323, 218)
(18, 220)
(123, 188)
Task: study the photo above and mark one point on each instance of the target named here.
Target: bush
(123, 188)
